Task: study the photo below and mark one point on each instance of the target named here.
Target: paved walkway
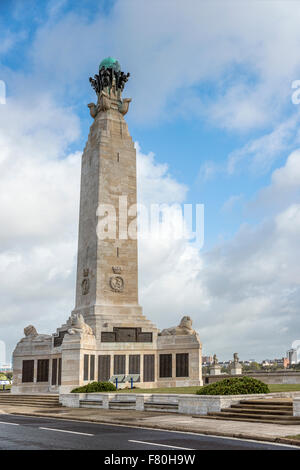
(168, 421)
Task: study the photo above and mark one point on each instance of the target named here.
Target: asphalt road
(35, 433)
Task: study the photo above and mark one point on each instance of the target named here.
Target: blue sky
(211, 88)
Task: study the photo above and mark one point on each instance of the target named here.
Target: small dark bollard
(131, 381)
(116, 383)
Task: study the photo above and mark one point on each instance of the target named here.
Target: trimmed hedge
(234, 386)
(95, 387)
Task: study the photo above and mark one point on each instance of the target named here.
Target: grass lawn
(272, 387)
(284, 387)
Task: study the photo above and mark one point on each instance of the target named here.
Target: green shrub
(95, 387)
(234, 386)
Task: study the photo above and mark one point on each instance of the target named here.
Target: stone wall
(284, 377)
(187, 403)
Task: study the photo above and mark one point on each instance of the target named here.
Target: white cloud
(208, 171)
(243, 294)
(8, 40)
(260, 153)
(249, 58)
(284, 188)
(231, 202)
(39, 193)
(150, 176)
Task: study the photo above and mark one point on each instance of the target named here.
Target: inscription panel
(126, 335)
(59, 372)
(42, 370)
(119, 364)
(108, 337)
(165, 365)
(144, 337)
(27, 371)
(182, 365)
(54, 372)
(92, 367)
(134, 363)
(59, 339)
(103, 368)
(86, 367)
(149, 367)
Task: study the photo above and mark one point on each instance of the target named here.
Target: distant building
(225, 363)
(207, 360)
(292, 356)
(5, 368)
(283, 362)
(266, 363)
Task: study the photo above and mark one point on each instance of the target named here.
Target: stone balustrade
(187, 403)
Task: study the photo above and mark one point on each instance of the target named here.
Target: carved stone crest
(117, 269)
(116, 283)
(85, 286)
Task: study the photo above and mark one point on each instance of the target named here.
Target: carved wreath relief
(116, 283)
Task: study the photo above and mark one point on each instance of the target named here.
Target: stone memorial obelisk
(107, 269)
(107, 334)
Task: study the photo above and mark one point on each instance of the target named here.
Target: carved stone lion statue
(30, 330)
(32, 335)
(78, 325)
(184, 328)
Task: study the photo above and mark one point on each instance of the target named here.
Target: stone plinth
(215, 370)
(236, 369)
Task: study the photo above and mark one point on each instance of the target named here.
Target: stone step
(34, 395)
(120, 405)
(259, 412)
(12, 400)
(43, 405)
(264, 407)
(90, 404)
(269, 401)
(164, 407)
(34, 400)
(41, 397)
